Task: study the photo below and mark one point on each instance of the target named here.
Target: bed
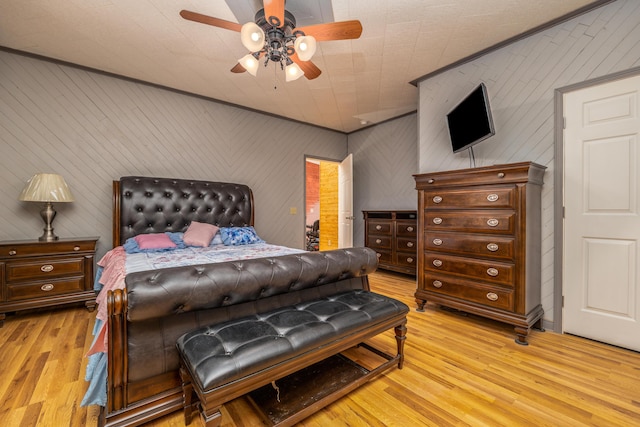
(145, 305)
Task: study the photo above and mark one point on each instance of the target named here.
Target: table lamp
(46, 187)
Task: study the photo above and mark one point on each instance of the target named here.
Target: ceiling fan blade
(343, 30)
(238, 68)
(274, 8)
(210, 20)
(310, 70)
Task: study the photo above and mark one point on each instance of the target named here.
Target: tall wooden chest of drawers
(393, 235)
(480, 241)
(36, 274)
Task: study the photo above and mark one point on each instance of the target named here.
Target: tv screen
(470, 121)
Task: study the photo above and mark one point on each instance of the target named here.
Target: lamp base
(48, 214)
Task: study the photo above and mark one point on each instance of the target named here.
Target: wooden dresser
(479, 249)
(393, 235)
(36, 274)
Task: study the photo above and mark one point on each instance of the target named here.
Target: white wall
(93, 128)
(521, 79)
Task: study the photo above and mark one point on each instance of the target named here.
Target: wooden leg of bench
(401, 332)
(187, 395)
(211, 417)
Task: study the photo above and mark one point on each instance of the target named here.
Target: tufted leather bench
(223, 361)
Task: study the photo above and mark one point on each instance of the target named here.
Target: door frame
(320, 159)
(558, 188)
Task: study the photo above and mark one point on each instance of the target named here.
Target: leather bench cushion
(222, 353)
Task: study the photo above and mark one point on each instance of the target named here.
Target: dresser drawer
(498, 247)
(499, 222)
(486, 271)
(384, 257)
(491, 198)
(491, 296)
(407, 259)
(406, 229)
(43, 270)
(406, 244)
(24, 291)
(379, 242)
(380, 228)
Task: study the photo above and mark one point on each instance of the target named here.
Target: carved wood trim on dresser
(479, 244)
(393, 235)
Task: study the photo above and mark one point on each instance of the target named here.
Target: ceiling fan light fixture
(305, 47)
(252, 37)
(250, 63)
(293, 72)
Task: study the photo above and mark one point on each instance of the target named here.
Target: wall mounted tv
(470, 121)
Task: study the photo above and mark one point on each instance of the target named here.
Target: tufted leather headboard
(154, 205)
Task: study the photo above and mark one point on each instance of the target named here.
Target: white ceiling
(364, 79)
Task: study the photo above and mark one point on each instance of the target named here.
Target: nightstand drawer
(44, 269)
(30, 249)
(41, 289)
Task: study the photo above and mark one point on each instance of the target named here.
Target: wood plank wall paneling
(328, 206)
(93, 128)
(521, 79)
(384, 161)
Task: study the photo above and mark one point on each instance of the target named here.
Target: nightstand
(36, 274)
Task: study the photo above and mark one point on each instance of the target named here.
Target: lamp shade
(305, 47)
(250, 63)
(252, 36)
(46, 187)
(293, 72)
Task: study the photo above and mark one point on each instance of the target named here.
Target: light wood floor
(459, 371)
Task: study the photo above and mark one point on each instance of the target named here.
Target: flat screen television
(470, 121)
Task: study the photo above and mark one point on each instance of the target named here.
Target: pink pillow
(154, 241)
(199, 234)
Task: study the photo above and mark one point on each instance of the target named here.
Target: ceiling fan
(275, 37)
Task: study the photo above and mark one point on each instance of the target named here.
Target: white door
(602, 215)
(345, 203)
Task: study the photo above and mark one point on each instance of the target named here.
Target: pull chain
(275, 78)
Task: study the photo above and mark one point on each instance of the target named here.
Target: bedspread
(111, 273)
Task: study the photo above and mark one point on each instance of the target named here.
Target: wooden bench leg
(401, 332)
(187, 395)
(211, 417)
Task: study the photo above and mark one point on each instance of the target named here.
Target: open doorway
(324, 202)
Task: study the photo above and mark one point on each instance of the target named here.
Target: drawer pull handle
(437, 242)
(409, 229)
(378, 254)
(492, 296)
(12, 253)
(501, 175)
(437, 284)
(410, 260)
(493, 197)
(431, 181)
(492, 222)
(493, 247)
(47, 268)
(493, 272)
(48, 287)
(437, 199)
(437, 220)
(378, 241)
(378, 227)
(76, 248)
(409, 244)
(437, 263)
